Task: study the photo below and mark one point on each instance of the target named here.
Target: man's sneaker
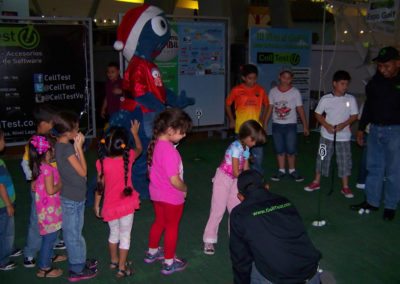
(177, 265)
(8, 266)
(85, 274)
(363, 205)
(209, 248)
(150, 258)
(16, 252)
(312, 186)
(60, 245)
(278, 176)
(297, 178)
(347, 192)
(360, 185)
(29, 262)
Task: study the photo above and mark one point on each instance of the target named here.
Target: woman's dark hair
(114, 144)
(174, 118)
(65, 121)
(36, 159)
(253, 129)
(247, 69)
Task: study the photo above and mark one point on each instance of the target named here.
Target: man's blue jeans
(257, 278)
(7, 234)
(383, 165)
(258, 154)
(33, 239)
(73, 218)
(46, 250)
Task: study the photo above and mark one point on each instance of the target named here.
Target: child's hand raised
(135, 127)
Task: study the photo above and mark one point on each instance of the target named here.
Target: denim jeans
(73, 218)
(33, 239)
(257, 278)
(46, 250)
(7, 234)
(258, 154)
(383, 165)
(285, 138)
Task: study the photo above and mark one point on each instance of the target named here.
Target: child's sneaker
(209, 248)
(159, 255)
(347, 192)
(297, 178)
(177, 265)
(8, 266)
(85, 274)
(91, 263)
(60, 245)
(278, 176)
(312, 186)
(29, 262)
(360, 185)
(16, 252)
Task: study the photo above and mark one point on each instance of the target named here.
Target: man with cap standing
(268, 241)
(382, 112)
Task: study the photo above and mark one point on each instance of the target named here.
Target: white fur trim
(133, 38)
(118, 45)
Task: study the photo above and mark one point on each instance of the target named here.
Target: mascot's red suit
(142, 34)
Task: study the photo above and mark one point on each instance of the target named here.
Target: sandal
(49, 273)
(124, 273)
(59, 258)
(114, 265)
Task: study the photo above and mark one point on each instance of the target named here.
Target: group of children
(59, 189)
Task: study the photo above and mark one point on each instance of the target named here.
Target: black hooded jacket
(267, 229)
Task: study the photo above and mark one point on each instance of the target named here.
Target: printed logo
(278, 58)
(26, 37)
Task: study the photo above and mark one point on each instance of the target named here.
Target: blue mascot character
(141, 36)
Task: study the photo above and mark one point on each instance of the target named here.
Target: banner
(273, 50)
(382, 10)
(42, 63)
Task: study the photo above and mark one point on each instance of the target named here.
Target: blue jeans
(73, 218)
(257, 278)
(7, 234)
(258, 153)
(383, 165)
(33, 239)
(46, 250)
(285, 138)
(362, 171)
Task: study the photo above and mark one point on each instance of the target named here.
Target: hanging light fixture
(188, 4)
(131, 1)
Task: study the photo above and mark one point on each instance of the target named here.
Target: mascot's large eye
(159, 25)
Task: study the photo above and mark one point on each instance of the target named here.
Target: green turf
(356, 249)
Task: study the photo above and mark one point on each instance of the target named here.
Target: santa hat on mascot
(131, 27)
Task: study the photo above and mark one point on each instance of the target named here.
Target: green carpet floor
(355, 249)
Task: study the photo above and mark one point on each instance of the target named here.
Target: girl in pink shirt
(167, 189)
(120, 199)
(47, 185)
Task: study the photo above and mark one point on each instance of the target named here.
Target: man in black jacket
(382, 112)
(268, 242)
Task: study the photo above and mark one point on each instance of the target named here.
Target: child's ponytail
(102, 152)
(127, 189)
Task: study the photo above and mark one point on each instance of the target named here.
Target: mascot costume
(141, 36)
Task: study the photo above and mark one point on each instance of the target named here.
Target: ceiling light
(188, 4)
(345, 31)
(131, 1)
(104, 21)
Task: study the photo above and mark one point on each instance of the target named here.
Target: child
(167, 189)
(72, 167)
(120, 200)
(286, 102)
(225, 179)
(47, 198)
(251, 102)
(7, 211)
(112, 99)
(341, 111)
(43, 116)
